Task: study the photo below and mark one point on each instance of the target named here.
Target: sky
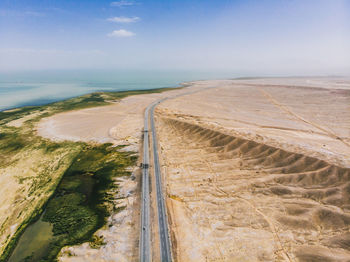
(257, 37)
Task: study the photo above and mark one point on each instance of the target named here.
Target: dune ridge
(292, 199)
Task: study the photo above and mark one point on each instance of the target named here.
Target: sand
(258, 170)
(254, 169)
(119, 123)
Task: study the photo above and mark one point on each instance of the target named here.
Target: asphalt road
(165, 247)
(145, 239)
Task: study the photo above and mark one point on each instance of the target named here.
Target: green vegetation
(16, 113)
(75, 103)
(97, 242)
(82, 200)
(18, 145)
(79, 193)
(98, 99)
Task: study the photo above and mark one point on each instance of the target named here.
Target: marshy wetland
(79, 206)
(56, 193)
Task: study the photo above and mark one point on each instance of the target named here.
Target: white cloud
(123, 19)
(122, 3)
(121, 33)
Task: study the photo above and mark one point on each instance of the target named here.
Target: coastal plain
(38, 173)
(121, 124)
(253, 169)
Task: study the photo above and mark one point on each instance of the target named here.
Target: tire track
(290, 112)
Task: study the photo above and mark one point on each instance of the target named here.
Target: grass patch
(85, 101)
(18, 113)
(97, 242)
(83, 199)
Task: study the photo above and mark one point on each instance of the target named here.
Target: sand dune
(234, 185)
(257, 173)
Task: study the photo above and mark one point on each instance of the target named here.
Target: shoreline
(53, 101)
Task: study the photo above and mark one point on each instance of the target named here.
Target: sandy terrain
(255, 170)
(120, 124)
(258, 170)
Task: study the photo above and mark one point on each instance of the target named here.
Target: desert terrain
(254, 169)
(258, 170)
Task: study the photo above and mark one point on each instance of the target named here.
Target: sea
(33, 88)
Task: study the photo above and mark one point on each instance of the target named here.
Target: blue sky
(258, 37)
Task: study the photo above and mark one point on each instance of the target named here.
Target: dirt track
(259, 172)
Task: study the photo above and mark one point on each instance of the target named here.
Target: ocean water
(37, 88)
